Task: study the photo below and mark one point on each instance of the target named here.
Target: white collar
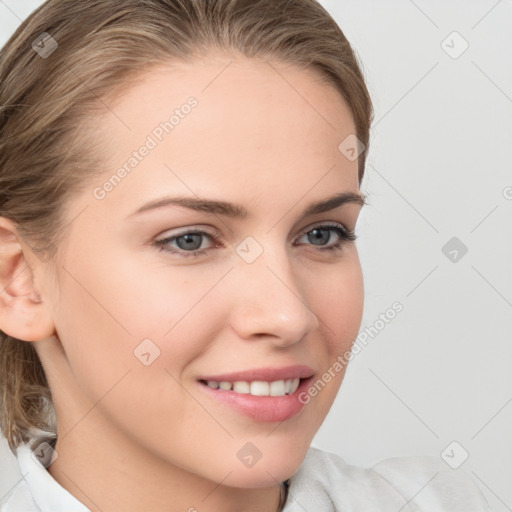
(46, 491)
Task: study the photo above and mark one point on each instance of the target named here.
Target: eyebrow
(238, 211)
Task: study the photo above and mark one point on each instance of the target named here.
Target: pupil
(189, 241)
(316, 235)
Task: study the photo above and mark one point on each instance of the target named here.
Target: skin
(135, 437)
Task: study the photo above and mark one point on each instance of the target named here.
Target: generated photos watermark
(342, 360)
(157, 135)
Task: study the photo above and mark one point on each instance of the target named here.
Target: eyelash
(346, 236)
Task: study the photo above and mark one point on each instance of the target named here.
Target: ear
(23, 313)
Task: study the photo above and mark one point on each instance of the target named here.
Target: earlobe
(23, 313)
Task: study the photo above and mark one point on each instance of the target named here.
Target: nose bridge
(269, 298)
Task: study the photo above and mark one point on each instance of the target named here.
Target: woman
(180, 189)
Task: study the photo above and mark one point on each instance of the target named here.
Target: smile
(257, 387)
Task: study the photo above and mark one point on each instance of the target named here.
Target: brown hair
(48, 97)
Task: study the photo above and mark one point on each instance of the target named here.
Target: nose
(269, 303)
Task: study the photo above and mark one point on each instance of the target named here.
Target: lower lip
(261, 408)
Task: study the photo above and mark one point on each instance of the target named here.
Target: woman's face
(155, 298)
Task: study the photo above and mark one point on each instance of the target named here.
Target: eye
(188, 243)
(319, 236)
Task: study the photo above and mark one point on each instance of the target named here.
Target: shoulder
(18, 499)
(37, 490)
(411, 484)
(431, 484)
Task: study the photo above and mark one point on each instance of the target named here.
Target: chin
(272, 468)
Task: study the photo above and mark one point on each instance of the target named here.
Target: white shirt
(323, 483)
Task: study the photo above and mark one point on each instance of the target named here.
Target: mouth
(260, 381)
(256, 387)
(265, 395)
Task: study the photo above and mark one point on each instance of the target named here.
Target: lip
(265, 374)
(265, 409)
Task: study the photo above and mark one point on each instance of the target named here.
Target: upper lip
(263, 374)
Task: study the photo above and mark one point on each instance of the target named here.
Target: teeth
(294, 385)
(258, 387)
(242, 387)
(276, 388)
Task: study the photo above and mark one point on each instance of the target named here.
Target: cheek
(127, 342)
(338, 300)
(112, 318)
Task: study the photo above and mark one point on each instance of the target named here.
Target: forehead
(231, 89)
(252, 121)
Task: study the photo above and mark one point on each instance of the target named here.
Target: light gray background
(439, 167)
